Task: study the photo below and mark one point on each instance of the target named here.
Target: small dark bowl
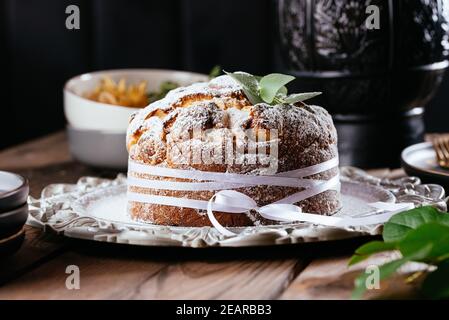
(13, 221)
(11, 244)
(14, 190)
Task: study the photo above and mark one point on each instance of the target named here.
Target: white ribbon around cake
(231, 201)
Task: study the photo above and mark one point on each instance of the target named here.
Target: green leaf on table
(431, 233)
(370, 248)
(399, 225)
(300, 97)
(270, 85)
(387, 270)
(436, 284)
(249, 83)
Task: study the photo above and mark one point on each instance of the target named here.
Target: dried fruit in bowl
(120, 93)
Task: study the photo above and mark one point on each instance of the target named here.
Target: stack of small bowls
(14, 190)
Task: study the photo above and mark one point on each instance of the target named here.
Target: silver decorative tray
(95, 209)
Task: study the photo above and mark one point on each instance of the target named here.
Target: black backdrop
(38, 54)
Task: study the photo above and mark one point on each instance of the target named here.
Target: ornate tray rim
(56, 211)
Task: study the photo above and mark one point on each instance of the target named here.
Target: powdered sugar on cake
(305, 136)
(217, 87)
(221, 103)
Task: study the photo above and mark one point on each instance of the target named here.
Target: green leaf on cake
(215, 72)
(249, 83)
(270, 89)
(300, 97)
(271, 84)
(282, 92)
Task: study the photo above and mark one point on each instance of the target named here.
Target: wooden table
(109, 271)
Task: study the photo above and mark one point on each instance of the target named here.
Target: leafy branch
(270, 89)
(420, 235)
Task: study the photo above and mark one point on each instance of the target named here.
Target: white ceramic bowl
(98, 148)
(82, 113)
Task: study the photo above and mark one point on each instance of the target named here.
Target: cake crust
(306, 137)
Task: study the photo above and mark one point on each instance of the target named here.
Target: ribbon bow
(291, 213)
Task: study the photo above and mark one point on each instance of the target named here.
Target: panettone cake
(177, 132)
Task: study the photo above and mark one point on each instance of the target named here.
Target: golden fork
(441, 146)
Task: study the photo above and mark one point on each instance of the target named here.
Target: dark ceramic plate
(13, 221)
(420, 160)
(14, 191)
(12, 244)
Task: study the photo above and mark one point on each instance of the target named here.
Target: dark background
(38, 54)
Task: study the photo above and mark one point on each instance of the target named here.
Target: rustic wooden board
(37, 248)
(226, 280)
(49, 150)
(331, 278)
(100, 279)
(47, 160)
(37, 271)
(114, 278)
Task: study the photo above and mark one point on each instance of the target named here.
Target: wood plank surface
(37, 271)
(114, 278)
(331, 278)
(99, 279)
(227, 280)
(46, 161)
(37, 248)
(48, 150)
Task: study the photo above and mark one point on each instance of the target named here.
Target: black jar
(376, 82)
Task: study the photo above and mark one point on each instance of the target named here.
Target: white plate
(109, 204)
(95, 209)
